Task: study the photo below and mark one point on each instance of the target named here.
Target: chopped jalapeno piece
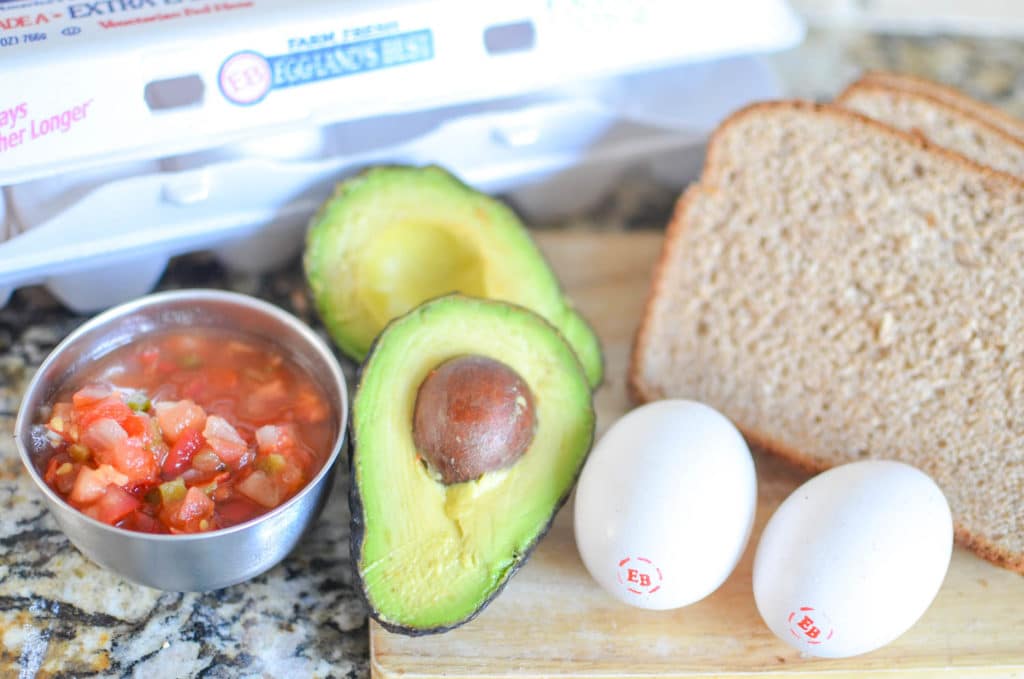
(138, 401)
(190, 361)
(173, 490)
(78, 452)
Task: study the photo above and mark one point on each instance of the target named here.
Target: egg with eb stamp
(853, 558)
(665, 505)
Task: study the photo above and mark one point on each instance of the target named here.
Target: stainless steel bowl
(202, 561)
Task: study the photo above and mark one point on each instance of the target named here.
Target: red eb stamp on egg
(810, 626)
(639, 575)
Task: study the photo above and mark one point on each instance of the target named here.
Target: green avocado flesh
(430, 556)
(394, 237)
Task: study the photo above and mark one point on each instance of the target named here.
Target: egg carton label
(21, 125)
(246, 77)
(23, 23)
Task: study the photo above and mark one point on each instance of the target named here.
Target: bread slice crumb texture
(992, 115)
(940, 122)
(844, 291)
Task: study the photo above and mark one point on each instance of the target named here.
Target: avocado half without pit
(470, 424)
(396, 236)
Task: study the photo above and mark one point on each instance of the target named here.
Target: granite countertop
(60, 615)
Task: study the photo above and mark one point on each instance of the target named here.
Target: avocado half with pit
(395, 236)
(470, 424)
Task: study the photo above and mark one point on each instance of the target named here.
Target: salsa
(187, 432)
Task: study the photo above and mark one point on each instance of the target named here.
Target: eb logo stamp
(810, 626)
(639, 575)
(245, 78)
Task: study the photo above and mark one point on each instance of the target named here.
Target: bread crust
(949, 95)
(641, 392)
(962, 535)
(873, 86)
(634, 384)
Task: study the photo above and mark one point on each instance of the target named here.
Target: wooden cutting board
(553, 620)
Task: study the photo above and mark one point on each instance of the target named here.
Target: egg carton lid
(94, 83)
(98, 237)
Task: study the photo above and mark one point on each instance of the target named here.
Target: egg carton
(94, 210)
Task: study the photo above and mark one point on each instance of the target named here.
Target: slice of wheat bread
(938, 121)
(950, 95)
(843, 290)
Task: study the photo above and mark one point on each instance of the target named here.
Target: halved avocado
(431, 554)
(394, 237)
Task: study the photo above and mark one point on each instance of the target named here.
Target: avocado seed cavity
(473, 415)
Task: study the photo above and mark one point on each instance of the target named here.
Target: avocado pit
(473, 415)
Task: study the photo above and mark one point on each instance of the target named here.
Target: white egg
(853, 558)
(665, 504)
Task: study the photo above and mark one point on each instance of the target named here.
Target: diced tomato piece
(143, 522)
(111, 446)
(192, 514)
(222, 493)
(207, 462)
(302, 457)
(144, 435)
(65, 477)
(112, 506)
(181, 344)
(156, 442)
(113, 475)
(179, 458)
(137, 426)
(267, 401)
(90, 484)
(267, 438)
(175, 417)
(291, 479)
(195, 389)
(149, 356)
(309, 407)
(113, 407)
(135, 462)
(260, 488)
(283, 440)
(195, 506)
(60, 473)
(89, 395)
(221, 378)
(50, 475)
(274, 438)
(104, 434)
(224, 439)
(238, 510)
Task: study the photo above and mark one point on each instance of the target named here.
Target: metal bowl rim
(156, 299)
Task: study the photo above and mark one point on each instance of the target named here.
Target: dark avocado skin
(358, 526)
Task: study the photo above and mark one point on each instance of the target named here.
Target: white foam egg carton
(225, 125)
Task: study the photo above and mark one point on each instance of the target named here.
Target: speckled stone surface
(986, 68)
(62, 616)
